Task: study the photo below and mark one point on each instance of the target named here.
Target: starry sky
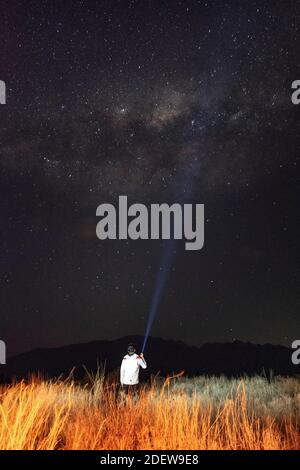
(162, 101)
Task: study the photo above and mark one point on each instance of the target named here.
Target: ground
(180, 413)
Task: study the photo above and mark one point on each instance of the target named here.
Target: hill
(163, 357)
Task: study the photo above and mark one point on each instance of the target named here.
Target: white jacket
(130, 367)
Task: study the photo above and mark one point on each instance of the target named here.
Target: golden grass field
(179, 414)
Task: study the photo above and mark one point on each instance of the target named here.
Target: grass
(199, 413)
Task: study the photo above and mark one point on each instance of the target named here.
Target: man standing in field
(130, 368)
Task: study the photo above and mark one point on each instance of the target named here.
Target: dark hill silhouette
(163, 356)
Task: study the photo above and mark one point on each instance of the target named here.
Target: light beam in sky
(168, 255)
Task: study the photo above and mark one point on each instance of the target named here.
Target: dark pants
(131, 390)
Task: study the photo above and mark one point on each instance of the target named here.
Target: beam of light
(186, 184)
(169, 251)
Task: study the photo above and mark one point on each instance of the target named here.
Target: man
(130, 367)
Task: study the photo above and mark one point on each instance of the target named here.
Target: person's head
(131, 349)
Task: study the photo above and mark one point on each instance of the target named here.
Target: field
(180, 413)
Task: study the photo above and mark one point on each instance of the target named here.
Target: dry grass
(200, 413)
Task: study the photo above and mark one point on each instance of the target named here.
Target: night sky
(162, 101)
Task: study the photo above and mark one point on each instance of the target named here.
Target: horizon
(151, 337)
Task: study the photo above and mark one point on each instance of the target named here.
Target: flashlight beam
(161, 280)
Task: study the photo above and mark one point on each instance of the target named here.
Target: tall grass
(200, 413)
